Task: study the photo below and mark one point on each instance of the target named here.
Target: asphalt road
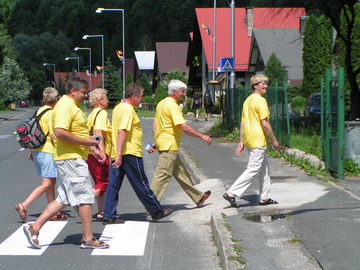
(180, 241)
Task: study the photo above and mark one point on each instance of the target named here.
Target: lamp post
(49, 64)
(102, 54)
(100, 10)
(89, 49)
(78, 62)
(214, 44)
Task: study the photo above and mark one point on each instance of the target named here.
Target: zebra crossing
(128, 239)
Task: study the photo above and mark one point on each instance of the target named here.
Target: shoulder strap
(96, 117)
(41, 114)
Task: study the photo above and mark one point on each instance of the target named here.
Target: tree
(144, 82)
(13, 83)
(346, 29)
(275, 71)
(112, 83)
(317, 52)
(354, 62)
(6, 45)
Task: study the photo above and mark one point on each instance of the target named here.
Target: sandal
(93, 243)
(268, 201)
(22, 211)
(231, 200)
(32, 236)
(59, 216)
(99, 217)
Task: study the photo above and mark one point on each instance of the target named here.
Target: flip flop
(22, 211)
(59, 216)
(268, 201)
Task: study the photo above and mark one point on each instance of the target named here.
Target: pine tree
(317, 52)
(275, 71)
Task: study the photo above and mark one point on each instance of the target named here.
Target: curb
(223, 242)
(221, 235)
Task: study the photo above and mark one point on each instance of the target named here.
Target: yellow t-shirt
(46, 126)
(68, 115)
(255, 109)
(168, 117)
(124, 117)
(101, 123)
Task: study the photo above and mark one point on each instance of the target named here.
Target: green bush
(2, 105)
(148, 99)
(219, 129)
(298, 102)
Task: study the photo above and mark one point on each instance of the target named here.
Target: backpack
(29, 133)
(207, 100)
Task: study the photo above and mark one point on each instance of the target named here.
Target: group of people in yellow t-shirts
(83, 146)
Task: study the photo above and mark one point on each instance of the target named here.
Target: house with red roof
(200, 54)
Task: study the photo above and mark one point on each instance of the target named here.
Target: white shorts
(74, 182)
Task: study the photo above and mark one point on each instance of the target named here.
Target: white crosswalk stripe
(128, 239)
(17, 243)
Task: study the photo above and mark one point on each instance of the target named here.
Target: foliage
(220, 129)
(351, 62)
(351, 166)
(144, 82)
(112, 83)
(6, 45)
(38, 81)
(6, 7)
(298, 102)
(13, 83)
(2, 105)
(129, 79)
(317, 52)
(275, 71)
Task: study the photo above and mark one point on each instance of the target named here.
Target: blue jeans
(133, 168)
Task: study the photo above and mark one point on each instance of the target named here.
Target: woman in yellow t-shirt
(99, 125)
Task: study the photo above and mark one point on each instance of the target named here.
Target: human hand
(30, 156)
(117, 162)
(240, 148)
(206, 139)
(99, 155)
(276, 145)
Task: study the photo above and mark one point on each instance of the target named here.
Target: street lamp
(89, 49)
(100, 10)
(49, 64)
(78, 62)
(102, 54)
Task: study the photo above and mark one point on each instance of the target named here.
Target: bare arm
(99, 132)
(68, 137)
(193, 133)
(268, 130)
(154, 128)
(240, 147)
(120, 146)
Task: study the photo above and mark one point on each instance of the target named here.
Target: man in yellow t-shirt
(253, 130)
(126, 155)
(168, 126)
(74, 180)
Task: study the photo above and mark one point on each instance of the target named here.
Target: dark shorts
(99, 172)
(208, 109)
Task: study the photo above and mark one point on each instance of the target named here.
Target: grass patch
(235, 240)
(227, 226)
(238, 249)
(142, 113)
(240, 259)
(294, 240)
(223, 215)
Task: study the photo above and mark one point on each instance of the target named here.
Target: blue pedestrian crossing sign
(227, 64)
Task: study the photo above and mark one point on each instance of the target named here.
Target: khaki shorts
(74, 182)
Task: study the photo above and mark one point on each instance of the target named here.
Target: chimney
(249, 21)
(302, 24)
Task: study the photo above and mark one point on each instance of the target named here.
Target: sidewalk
(314, 226)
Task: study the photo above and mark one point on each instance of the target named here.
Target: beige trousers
(169, 165)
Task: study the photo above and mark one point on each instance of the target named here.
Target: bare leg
(85, 213)
(52, 208)
(47, 185)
